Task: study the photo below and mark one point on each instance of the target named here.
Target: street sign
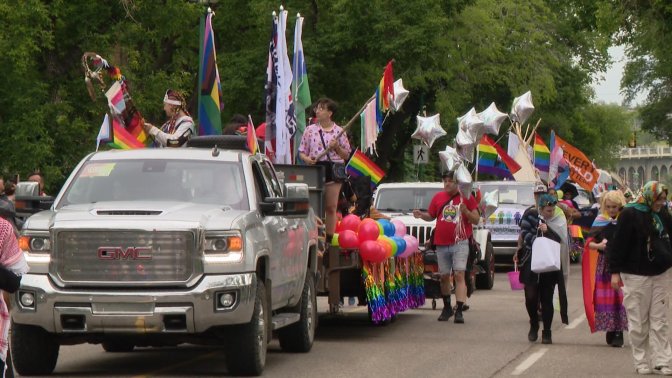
(420, 154)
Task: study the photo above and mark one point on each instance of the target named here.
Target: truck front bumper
(193, 310)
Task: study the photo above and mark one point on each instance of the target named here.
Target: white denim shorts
(453, 257)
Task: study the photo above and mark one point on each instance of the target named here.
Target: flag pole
(347, 125)
(478, 152)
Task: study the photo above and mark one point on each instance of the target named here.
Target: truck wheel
(34, 350)
(246, 350)
(118, 346)
(298, 337)
(486, 280)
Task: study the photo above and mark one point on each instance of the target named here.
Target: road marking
(576, 322)
(354, 309)
(529, 361)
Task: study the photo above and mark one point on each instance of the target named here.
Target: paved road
(492, 343)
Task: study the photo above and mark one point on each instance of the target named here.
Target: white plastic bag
(545, 255)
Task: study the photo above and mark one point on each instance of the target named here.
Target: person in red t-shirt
(454, 216)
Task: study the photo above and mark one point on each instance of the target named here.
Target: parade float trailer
(373, 260)
(154, 247)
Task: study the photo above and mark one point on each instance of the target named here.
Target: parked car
(513, 197)
(398, 200)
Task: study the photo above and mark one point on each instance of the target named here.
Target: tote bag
(545, 255)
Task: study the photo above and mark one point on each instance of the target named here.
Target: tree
(644, 28)
(451, 54)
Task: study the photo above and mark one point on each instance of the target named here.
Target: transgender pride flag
(210, 102)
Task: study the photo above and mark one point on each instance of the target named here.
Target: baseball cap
(540, 187)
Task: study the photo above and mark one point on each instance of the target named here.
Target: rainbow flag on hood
(360, 165)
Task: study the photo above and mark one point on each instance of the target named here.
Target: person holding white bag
(546, 220)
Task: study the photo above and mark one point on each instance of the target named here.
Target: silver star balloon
(522, 108)
(400, 94)
(492, 119)
(466, 152)
(449, 158)
(472, 127)
(464, 181)
(462, 138)
(489, 203)
(428, 130)
(462, 121)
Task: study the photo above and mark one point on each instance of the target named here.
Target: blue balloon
(401, 244)
(388, 227)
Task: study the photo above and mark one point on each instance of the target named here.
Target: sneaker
(446, 313)
(643, 370)
(459, 318)
(662, 370)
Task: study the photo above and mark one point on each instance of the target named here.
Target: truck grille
(422, 233)
(122, 258)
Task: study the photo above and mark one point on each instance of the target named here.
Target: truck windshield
(405, 199)
(510, 194)
(217, 183)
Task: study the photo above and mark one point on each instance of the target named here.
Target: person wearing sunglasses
(547, 220)
(178, 128)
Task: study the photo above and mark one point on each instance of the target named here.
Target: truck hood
(410, 220)
(125, 215)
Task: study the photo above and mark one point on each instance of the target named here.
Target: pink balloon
(368, 250)
(368, 230)
(347, 239)
(411, 245)
(399, 227)
(350, 222)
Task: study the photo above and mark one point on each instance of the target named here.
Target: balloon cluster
(473, 125)
(376, 240)
(391, 270)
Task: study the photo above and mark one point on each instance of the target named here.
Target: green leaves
(451, 54)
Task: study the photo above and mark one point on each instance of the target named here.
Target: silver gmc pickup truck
(156, 247)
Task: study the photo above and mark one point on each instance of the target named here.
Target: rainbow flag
(384, 94)
(210, 101)
(360, 165)
(127, 126)
(542, 156)
(493, 160)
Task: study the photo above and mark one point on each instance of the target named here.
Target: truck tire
(34, 350)
(486, 280)
(246, 349)
(117, 346)
(299, 337)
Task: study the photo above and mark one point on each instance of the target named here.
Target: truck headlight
(35, 244)
(223, 247)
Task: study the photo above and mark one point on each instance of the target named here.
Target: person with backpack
(454, 216)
